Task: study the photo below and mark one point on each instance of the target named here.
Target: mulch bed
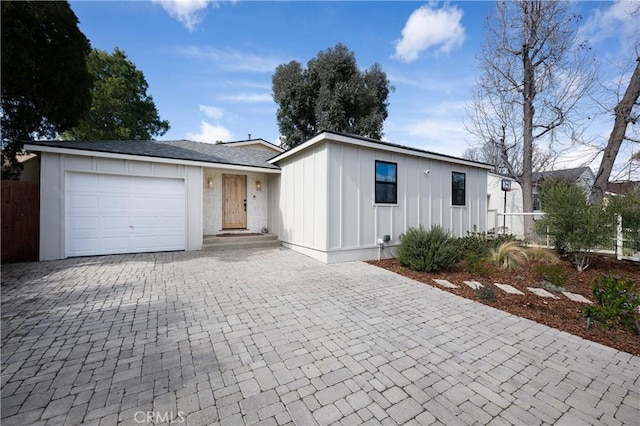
(562, 313)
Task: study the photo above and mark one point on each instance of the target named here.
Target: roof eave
(337, 137)
(138, 157)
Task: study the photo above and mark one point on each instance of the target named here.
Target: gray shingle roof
(571, 175)
(180, 150)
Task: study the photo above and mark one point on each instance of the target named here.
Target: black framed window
(386, 182)
(458, 189)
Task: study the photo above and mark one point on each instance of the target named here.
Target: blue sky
(209, 64)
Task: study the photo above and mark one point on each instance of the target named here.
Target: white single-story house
(336, 197)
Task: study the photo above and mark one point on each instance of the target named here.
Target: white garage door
(110, 214)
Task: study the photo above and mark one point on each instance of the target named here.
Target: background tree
(45, 82)
(534, 74)
(491, 153)
(120, 108)
(330, 94)
(624, 115)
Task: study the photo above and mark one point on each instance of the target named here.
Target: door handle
(245, 205)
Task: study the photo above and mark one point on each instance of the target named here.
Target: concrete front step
(213, 243)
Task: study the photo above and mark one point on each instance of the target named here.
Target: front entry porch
(234, 201)
(239, 240)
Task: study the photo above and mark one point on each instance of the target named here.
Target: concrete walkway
(268, 336)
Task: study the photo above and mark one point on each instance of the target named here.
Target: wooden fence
(20, 221)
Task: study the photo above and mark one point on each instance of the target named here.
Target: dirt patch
(561, 313)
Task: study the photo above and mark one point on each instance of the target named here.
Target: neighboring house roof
(622, 187)
(571, 175)
(375, 144)
(258, 143)
(175, 150)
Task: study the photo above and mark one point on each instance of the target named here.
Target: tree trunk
(528, 111)
(623, 117)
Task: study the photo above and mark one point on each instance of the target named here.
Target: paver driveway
(273, 337)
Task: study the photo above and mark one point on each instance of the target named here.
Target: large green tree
(45, 82)
(332, 93)
(120, 108)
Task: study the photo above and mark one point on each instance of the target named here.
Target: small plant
(552, 274)
(617, 302)
(427, 251)
(486, 293)
(552, 287)
(509, 255)
(475, 244)
(541, 254)
(475, 264)
(500, 239)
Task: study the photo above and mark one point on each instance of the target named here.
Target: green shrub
(427, 251)
(617, 302)
(628, 206)
(476, 264)
(475, 243)
(577, 227)
(553, 274)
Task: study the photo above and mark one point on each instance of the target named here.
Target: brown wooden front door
(234, 201)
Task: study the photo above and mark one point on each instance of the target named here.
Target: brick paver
(272, 337)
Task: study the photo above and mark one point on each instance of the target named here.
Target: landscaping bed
(561, 313)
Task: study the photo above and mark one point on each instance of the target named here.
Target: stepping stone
(508, 289)
(473, 284)
(577, 297)
(542, 292)
(445, 283)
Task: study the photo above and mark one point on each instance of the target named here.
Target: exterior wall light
(258, 185)
(210, 182)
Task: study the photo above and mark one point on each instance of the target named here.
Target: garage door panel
(118, 202)
(114, 183)
(116, 244)
(85, 224)
(83, 202)
(84, 182)
(83, 245)
(109, 214)
(114, 224)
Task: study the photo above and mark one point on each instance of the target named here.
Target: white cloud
(616, 21)
(211, 111)
(188, 12)
(233, 60)
(248, 97)
(211, 133)
(428, 27)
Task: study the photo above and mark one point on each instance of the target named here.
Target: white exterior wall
(322, 204)
(52, 194)
(257, 201)
(356, 222)
(298, 206)
(514, 224)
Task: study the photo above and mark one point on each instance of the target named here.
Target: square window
(386, 180)
(458, 191)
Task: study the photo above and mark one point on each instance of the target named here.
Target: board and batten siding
(54, 168)
(356, 222)
(298, 202)
(322, 204)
